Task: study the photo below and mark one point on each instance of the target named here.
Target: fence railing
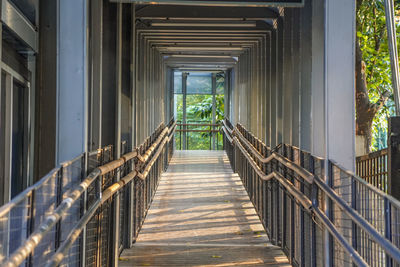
(315, 214)
(198, 136)
(73, 219)
(373, 168)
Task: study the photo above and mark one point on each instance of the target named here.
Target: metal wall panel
(109, 82)
(72, 80)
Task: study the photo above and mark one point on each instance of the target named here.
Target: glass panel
(18, 139)
(220, 80)
(199, 111)
(178, 82)
(178, 112)
(199, 108)
(199, 83)
(28, 8)
(2, 135)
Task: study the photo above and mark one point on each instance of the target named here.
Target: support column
(279, 78)
(214, 103)
(184, 91)
(274, 87)
(96, 68)
(118, 104)
(340, 81)
(72, 80)
(268, 88)
(305, 76)
(287, 79)
(131, 213)
(394, 157)
(333, 107)
(227, 94)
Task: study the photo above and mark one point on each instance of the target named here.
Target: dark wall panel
(45, 127)
(109, 72)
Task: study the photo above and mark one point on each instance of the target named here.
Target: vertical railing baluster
(388, 228)
(31, 224)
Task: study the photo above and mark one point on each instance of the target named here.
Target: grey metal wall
(286, 86)
(122, 81)
(296, 81)
(151, 83)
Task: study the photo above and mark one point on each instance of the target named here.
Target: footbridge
(98, 166)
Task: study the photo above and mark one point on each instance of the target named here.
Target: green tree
(374, 100)
(203, 109)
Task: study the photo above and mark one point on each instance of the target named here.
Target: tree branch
(381, 101)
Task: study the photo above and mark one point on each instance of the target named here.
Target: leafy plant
(373, 89)
(203, 110)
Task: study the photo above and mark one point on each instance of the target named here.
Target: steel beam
(205, 12)
(394, 58)
(228, 3)
(21, 26)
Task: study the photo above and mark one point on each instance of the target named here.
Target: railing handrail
(305, 174)
(395, 202)
(34, 239)
(372, 155)
(355, 256)
(14, 201)
(199, 124)
(229, 136)
(158, 146)
(26, 248)
(389, 248)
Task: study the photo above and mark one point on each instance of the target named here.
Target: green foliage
(199, 110)
(203, 109)
(372, 35)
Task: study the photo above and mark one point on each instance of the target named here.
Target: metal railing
(302, 210)
(198, 134)
(25, 213)
(69, 218)
(373, 168)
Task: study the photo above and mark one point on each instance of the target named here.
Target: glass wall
(199, 109)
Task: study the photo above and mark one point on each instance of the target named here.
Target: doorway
(14, 134)
(199, 109)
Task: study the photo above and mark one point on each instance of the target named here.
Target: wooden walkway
(201, 216)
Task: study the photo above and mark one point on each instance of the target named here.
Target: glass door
(14, 138)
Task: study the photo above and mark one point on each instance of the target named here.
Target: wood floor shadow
(202, 216)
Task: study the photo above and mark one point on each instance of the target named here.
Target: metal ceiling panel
(18, 24)
(251, 3)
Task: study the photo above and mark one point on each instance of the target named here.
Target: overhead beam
(201, 48)
(208, 60)
(208, 69)
(205, 12)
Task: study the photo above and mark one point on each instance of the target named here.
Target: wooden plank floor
(201, 216)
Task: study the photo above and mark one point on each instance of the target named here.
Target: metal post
(116, 203)
(388, 228)
(184, 91)
(394, 157)
(96, 67)
(71, 134)
(131, 214)
(394, 59)
(227, 94)
(84, 171)
(214, 104)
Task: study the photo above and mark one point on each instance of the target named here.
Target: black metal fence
(198, 136)
(26, 212)
(78, 212)
(315, 210)
(373, 168)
